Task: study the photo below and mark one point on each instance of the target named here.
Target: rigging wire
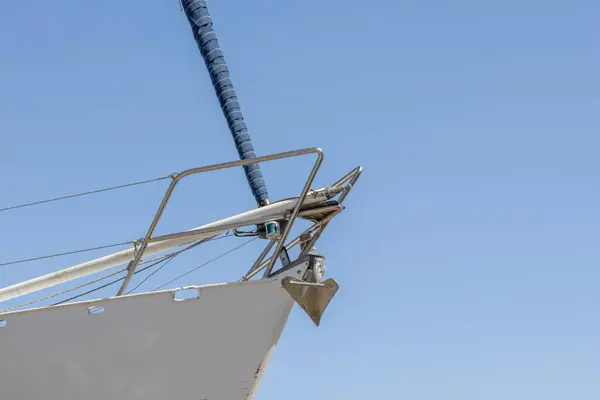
(85, 250)
(63, 292)
(206, 263)
(151, 274)
(161, 258)
(65, 253)
(155, 261)
(70, 197)
(176, 254)
(105, 285)
(150, 266)
(86, 193)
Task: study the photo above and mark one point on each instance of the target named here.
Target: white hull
(146, 346)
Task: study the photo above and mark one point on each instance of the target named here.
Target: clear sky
(468, 254)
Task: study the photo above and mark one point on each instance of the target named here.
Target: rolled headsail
(201, 23)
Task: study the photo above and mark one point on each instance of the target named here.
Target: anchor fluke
(312, 297)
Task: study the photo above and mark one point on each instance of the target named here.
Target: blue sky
(467, 257)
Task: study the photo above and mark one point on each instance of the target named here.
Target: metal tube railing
(177, 178)
(258, 266)
(353, 177)
(255, 270)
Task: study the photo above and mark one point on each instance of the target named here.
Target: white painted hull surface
(146, 346)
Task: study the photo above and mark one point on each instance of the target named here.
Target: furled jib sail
(201, 23)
